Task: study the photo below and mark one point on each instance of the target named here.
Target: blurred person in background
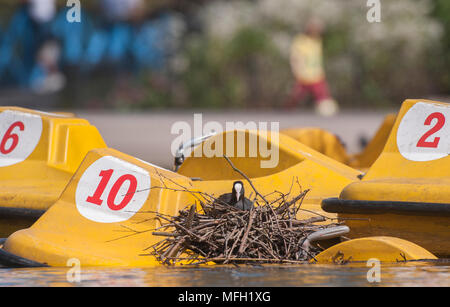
(306, 60)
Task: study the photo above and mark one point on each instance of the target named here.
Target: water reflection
(411, 274)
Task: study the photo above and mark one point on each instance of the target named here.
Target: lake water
(405, 274)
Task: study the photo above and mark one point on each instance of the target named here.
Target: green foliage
(241, 59)
(231, 73)
(440, 60)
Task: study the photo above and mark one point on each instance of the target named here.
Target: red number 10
(106, 176)
(440, 123)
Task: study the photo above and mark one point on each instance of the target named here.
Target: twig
(246, 177)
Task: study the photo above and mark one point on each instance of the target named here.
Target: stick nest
(269, 233)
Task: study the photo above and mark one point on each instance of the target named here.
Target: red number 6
(14, 137)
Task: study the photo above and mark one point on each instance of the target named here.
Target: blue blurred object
(119, 40)
(96, 48)
(150, 43)
(72, 36)
(119, 10)
(109, 44)
(85, 45)
(18, 47)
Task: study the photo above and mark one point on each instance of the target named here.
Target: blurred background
(135, 67)
(144, 54)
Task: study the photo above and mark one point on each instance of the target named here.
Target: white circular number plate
(111, 190)
(19, 135)
(424, 132)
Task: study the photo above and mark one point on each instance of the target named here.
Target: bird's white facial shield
(238, 189)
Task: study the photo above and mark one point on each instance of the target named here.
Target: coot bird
(237, 197)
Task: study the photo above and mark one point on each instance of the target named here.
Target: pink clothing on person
(319, 91)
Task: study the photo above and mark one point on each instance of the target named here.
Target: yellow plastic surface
(315, 171)
(430, 232)
(330, 145)
(63, 232)
(366, 158)
(320, 140)
(385, 249)
(37, 182)
(393, 177)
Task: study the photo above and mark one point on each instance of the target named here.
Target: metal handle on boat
(179, 155)
(325, 234)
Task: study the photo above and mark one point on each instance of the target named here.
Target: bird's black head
(238, 191)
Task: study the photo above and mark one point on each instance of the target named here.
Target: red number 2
(440, 123)
(8, 135)
(106, 176)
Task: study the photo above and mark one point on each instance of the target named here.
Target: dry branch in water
(269, 233)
